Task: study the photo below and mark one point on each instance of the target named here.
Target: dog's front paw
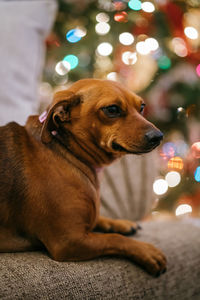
(150, 258)
(124, 227)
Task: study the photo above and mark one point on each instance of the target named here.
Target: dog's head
(102, 114)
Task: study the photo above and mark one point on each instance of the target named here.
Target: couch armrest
(36, 276)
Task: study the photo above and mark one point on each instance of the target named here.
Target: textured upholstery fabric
(31, 275)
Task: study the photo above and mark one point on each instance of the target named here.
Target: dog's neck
(88, 153)
(65, 144)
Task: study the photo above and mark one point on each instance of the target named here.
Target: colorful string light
(121, 17)
(72, 60)
(175, 163)
(198, 70)
(72, 36)
(135, 4)
(126, 38)
(164, 62)
(197, 174)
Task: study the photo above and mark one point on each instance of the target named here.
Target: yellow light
(173, 178)
(104, 49)
(183, 209)
(160, 186)
(191, 32)
(175, 163)
(126, 38)
(148, 7)
(129, 58)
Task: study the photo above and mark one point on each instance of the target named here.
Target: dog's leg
(124, 227)
(10, 242)
(92, 245)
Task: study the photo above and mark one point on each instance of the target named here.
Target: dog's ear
(58, 113)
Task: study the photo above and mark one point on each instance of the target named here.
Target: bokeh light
(121, 17)
(191, 32)
(119, 5)
(126, 38)
(102, 17)
(181, 113)
(169, 149)
(104, 49)
(148, 7)
(152, 44)
(183, 209)
(197, 174)
(173, 178)
(81, 32)
(135, 4)
(142, 48)
(198, 70)
(73, 36)
(182, 148)
(102, 28)
(129, 58)
(195, 149)
(72, 60)
(179, 47)
(164, 62)
(112, 76)
(175, 163)
(160, 186)
(62, 67)
(145, 47)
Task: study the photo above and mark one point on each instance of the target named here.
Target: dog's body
(49, 189)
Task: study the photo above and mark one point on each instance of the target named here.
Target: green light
(135, 4)
(72, 60)
(164, 62)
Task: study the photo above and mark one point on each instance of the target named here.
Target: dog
(49, 187)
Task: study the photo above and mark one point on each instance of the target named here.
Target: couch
(34, 275)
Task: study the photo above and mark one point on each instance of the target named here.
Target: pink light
(198, 70)
(195, 148)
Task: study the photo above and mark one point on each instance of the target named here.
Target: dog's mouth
(118, 147)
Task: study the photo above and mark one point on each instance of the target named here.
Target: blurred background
(153, 48)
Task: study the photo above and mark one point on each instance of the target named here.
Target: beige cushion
(127, 187)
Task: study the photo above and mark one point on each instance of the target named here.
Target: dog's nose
(154, 136)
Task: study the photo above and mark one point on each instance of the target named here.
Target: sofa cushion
(36, 276)
(127, 186)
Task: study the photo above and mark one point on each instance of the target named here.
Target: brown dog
(49, 190)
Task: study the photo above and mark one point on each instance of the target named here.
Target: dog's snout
(154, 136)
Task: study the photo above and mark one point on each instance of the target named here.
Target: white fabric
(24, 26)
(127, 187)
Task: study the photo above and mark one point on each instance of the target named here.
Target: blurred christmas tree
(153, 48)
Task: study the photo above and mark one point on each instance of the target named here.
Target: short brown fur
(49, 189)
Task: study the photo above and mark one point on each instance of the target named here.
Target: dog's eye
(112, 111)
(142, 108)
